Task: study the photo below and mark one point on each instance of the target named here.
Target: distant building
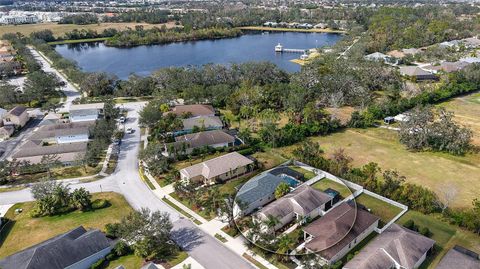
(219, 169)
(446, 67)
(33, 151)
(62, 133)
(17, 117)
(202, 122)
(459, 258)
(337, 232)
(417, 73)
(86, 112)
(186, 144)
(76, 249)
(396, 247)
(380, 57)
(6, 132)
(301, 204)
(193, 110)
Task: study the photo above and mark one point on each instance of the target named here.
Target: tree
(340, 162)
(446, 194)
(149, 232)
(282, 189)
(151, 114)
(49, 161)
(81, 199)
(271, 222)
(98, 84)
(51, 197)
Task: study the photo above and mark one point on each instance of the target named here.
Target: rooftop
(87, 106)
(217, 166)
(17, 111)
(202, 121)
(259, 187)
(195, 110)
(461, 258)
(201, 139)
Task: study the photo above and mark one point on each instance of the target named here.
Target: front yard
(24, 231)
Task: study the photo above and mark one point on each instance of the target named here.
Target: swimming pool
(293, 182)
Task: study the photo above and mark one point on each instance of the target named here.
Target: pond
(142, 60)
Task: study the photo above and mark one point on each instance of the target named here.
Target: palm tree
(271, 222)
(285, 243)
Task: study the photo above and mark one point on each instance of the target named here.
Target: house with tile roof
(219, 169)
(397, 247)
(417, 73)
(187, 143)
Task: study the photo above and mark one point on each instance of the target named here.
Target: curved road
(205, 249)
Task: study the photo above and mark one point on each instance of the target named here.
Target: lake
(142, 60)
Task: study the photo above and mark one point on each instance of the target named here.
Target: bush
(409, 224)
(111, 230)
(247, 151)
(98, 264)
(425, 231)
(121, 248)
(111, 256)
(100, 203)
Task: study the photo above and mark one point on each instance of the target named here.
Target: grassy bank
(85, 40)
(24, 231)
(280, 29)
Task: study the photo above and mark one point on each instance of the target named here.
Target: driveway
(208, 251)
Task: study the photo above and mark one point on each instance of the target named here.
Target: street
(208, 251)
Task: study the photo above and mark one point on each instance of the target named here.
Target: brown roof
(395, 244)
(201, 139)
(459, 258)
(63, 129)
(338, 228)
(302, 201)
(196, 110)
(217, 166)
(17, 111)
(33, 150)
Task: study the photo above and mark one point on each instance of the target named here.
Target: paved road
(69, 90)
(208, 251)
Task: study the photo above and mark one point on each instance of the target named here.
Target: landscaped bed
(24, 231)
(385, 211)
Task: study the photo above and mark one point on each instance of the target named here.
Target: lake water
(142, 60)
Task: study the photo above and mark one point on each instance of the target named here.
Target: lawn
(385, 211)
(269, 159)
(445, 235)
(327, 183)
(179, 209)
(129, 261)
(25, 231)
(429, 169)
(60, 29)
(467, 112)
(307, 174)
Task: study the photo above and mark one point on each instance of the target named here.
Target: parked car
(122, 119)
(129, 130)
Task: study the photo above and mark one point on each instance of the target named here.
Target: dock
(279, 48)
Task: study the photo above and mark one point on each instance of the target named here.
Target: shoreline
(279, 29)
(74, 41)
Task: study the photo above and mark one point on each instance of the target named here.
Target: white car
(122, 119)
(129, 130)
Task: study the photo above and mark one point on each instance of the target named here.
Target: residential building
(6, 132)
(380, 57)
(193, 110)
(3, 112)
(62, 133)
(17, 117)
(202, 122)
(187, 143)
(416, 73)
(338, 231)
(470, 60)
(459, 258)
(76, 249)
(396, 247)
(86, 112)
(51, 119)
(260, 190)
(218, 169)
(446, 67)
(34, 150)
(301, 204)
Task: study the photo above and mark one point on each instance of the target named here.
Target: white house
(86, 112)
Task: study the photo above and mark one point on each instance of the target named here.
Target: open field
(429, 169)
(324, 184)
(385, 211)
(445, 235)
(280, 29)
(60, 29)
(467, 112)
(25, 231)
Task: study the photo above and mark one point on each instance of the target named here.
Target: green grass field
(327, 183)
(429, 169)
(25, 231)
(385, 211)
(445, 235)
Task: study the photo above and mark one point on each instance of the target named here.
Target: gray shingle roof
(201, 139)
(17, 111)
(406, 247)
(203, 121)
(459, 258)
(259, 187)
(60, 251)
(63, 129)
(196, 110)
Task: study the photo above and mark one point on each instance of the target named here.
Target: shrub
(98, 264)
(100, 203)
(121, 248)
(425, 231)
(111, 230)
(409, 224)
(111, 256)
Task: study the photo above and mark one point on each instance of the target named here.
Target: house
(193, 110)
(301, 204)
(446, 67)
(3, 112)
(396, 247)
(460, 258)
(50, 119)
(337, 232)
(320, 26)
(380, 57)
(6, 132)
(33, 151)
(186, 144)
(471, 42)
(17, 117)
(62, 133)
(260, 190)
(201, 122)
(76, 249)
(416, 73)
(218, 169)
(86, 112)
(470, 60)
(389, 120)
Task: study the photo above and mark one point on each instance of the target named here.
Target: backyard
(24, 231)
(325, 183)
(385, 211)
